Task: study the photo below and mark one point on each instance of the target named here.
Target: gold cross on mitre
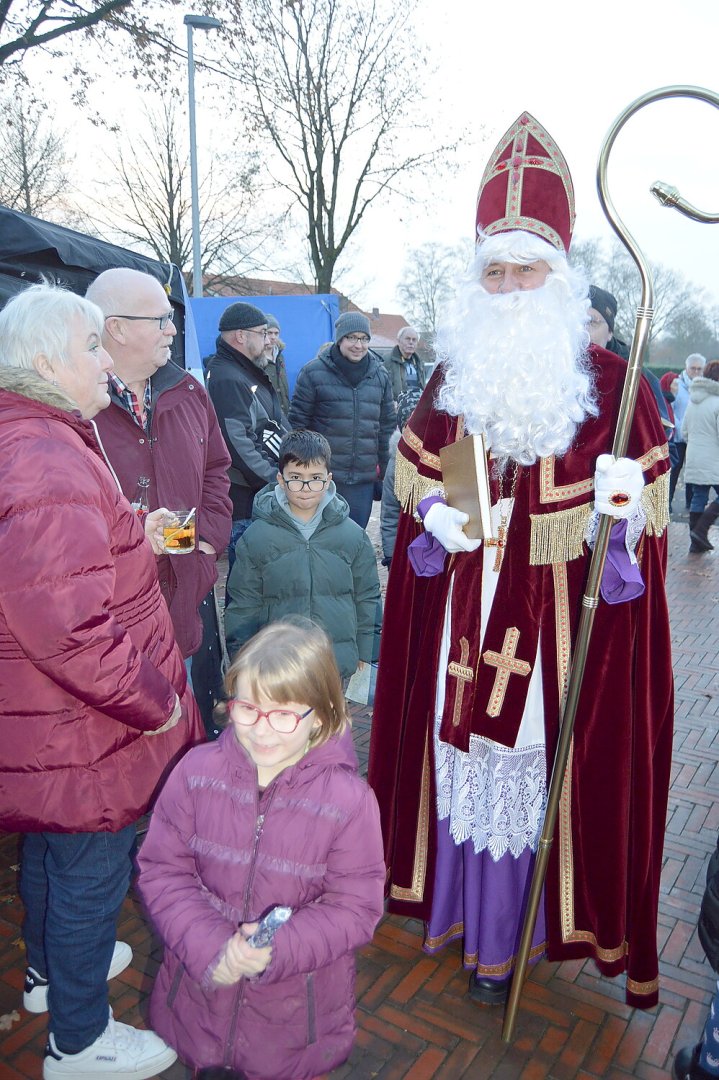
(463, 674)
(506, 665)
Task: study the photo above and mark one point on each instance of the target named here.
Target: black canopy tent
(31, 249)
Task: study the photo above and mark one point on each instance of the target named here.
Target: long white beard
(516, 367)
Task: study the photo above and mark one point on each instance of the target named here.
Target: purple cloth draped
(426, 554)
(621, 578)
(484, 901)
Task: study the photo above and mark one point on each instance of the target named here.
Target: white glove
(618, 486)
(445, 524)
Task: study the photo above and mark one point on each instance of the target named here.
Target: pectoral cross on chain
(506, 665)
(463, 674)
(499, 544)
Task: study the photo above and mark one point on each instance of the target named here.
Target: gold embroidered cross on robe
(506, 664)
(464, 675)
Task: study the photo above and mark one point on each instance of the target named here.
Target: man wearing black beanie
(248, 409)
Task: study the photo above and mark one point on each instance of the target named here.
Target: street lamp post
(199, 22)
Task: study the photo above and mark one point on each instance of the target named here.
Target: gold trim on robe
(410, 486)
(421, 842)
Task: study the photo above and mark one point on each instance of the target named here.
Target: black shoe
(699, 530)
(489, 991)
(699, 545)
(686, 1065)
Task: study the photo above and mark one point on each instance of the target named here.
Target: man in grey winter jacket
(405, 367)
(346, 395)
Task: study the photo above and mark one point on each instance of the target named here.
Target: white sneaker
(34, 998)
(121, 1051)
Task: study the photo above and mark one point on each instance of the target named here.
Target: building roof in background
(384, 327)
(250, 286)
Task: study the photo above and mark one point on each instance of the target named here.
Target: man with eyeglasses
(345, 393)
(248, 409)
(161, 426)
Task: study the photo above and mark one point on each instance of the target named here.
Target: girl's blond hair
(293, 660)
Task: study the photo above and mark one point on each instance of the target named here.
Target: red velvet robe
(602, 888)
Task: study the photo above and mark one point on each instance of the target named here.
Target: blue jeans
(710, 1042)
(360, 498)
(238, 527)
(73, 886)
(700, 497)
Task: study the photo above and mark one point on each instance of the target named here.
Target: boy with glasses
(303, 555)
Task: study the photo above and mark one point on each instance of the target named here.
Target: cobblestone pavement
(415, 1020)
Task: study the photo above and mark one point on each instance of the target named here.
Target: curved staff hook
(590, 600)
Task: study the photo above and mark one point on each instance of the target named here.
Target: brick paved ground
(415, 1021)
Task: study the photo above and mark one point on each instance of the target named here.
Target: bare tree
(150, 195)
(678, 302)
(428, 279)
(33, 160)
(52, 26)
(334, 87)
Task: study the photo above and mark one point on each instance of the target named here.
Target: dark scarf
(354, 373)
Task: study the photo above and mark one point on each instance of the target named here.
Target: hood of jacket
(267, 508)
(28, 384)
(335, 752)
(700, 389)
(33, 397)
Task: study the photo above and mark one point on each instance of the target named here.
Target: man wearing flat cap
(247, 406)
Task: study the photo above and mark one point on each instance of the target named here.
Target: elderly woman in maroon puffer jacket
(273, 813)
(93, 705)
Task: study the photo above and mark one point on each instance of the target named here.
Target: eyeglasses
(599, 322)
(161, 320)
(246, 330)
(283, 721)
(299, 485)
(357, 339)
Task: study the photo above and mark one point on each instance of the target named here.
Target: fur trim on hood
(29, 384)
(701, 388)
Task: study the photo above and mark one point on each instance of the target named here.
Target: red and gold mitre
(527, 186)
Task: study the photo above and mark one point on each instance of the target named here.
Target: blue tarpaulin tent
(306, 323)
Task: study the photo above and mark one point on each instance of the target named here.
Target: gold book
(466, 482)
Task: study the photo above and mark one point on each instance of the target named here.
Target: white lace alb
(494, 795)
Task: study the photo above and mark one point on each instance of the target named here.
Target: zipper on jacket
(355, 422)
(311, 1019)
(241, 985)
(175, 986)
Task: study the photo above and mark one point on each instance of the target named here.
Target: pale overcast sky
(575, 67)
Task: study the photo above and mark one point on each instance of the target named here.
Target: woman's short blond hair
(293, 660)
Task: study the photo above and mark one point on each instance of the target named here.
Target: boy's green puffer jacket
(332, 579)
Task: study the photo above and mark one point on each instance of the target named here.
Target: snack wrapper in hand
(268, 927)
